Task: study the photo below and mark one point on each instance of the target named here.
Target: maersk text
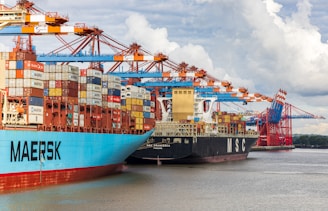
(34, 150)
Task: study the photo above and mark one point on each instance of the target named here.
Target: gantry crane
(275, 123)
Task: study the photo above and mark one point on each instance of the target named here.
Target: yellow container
(139, 126)
(58, 91)
(134, 101)
(129, 102)
(52, 92)
(139, 102)
(83, 94)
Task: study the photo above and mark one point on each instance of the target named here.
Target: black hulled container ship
(190, 132)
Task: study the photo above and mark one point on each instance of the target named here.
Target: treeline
(310, 141)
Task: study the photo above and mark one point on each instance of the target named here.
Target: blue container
(123, 102)
(114, 92)
(36, 101)
(146, 115)
(93, 80)
(146, 102)
(19, 64)
(45, 92)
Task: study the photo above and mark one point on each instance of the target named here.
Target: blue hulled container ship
(62, 124)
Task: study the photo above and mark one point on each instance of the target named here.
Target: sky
(263, 45)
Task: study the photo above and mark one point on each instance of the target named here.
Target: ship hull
(205, 149)
(38, 158)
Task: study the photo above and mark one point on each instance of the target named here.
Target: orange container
(33, 65)
(19, 73)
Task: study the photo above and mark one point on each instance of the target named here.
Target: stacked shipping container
(24, 84)
(62, 97)
(229, 122)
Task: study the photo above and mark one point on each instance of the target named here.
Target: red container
(114, 99)
(69, 93)
(33, 65)
(69, 84)
(58, 84)
(137, 108)
(147, 127)
(83, 72)
(45, 84)
(83, 87)
(33, 92)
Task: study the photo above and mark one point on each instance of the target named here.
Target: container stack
(24, 85)
(229, 122)
(148, 111)
(65, 98)
(138, 103)
(90, 87)
(61, 94)
(111, 100)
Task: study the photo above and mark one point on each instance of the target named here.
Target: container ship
(190, 132)
(61, 124)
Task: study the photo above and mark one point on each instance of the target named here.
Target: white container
(19, 83)
(33, 74)
(82, 79)
(70, 77)
(104, 77)
(113, 78)
(75, 122)
(146, 108)
(11, 73)
(104, 91)
(12, 91)
(11, 83)
(19, 92)
(94, 102)
(75, 116)
(114, 85)
(96, 73)
(58, 76)
(114, 105)
(94, 95)
(82, 100)
(94, 87)
(46, 76)
(35, 110)
(12, 65)
(58, 68)
(52, 84)
(35, 119)
(52, 76)
(33, 83)
(81, 122)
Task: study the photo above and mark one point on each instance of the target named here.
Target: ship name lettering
(34, 150)
(239, 145)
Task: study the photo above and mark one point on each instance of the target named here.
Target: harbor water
(279, 180)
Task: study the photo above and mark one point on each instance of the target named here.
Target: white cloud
(154, 40)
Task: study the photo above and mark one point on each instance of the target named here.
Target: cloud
(156, 40)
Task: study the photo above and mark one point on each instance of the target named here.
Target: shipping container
(33, 65)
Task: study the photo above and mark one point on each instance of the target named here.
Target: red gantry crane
(275, 123)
